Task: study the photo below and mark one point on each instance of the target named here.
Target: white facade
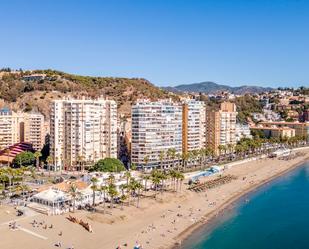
(228, 128)
(227, 123)
(195, 122)
(156, 127)
(82, 129)
(242, 131)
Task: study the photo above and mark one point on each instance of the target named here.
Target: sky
(169, 42)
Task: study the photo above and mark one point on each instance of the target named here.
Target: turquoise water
(276, 217)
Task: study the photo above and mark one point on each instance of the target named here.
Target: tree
(122, 199)
(172, 174)
(155, 180)
(25, 158)
(108, 165)
(136, 186)
(146, 160)
(104, 190)
(172, 154)
(221, 148)
(133, 166)
(94, 188)
(112, 192)
(37, 156)
(81, 162)
(161, 157)
(185, 158)
(74, 193)
(49, 161)
(180, 177)
(145, 178)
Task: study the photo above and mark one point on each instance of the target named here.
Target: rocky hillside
(36, 89)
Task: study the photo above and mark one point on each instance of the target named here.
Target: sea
(275, 216)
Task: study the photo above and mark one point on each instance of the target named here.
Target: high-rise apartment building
(156, 128)
(35, 131)
(193, 125)
(18, 127)
(221, 126)
(82, 130)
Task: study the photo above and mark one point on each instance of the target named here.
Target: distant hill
(34, 90)
(209, 87)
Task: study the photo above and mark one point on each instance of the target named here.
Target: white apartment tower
(193, 125)
(228, 123)
(156, 128)
(82, 130)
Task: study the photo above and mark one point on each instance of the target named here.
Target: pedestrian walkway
(32, 233)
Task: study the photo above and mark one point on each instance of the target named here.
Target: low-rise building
(301, 129)
(276, 132)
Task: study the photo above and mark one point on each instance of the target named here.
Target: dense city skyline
(167, 42)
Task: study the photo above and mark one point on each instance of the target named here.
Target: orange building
(301, 129)
(221, 126)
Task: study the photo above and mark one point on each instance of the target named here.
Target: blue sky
(233, 42)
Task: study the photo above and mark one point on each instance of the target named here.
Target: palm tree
(79, 162)
(127, 175)
(230, 148)
(221, 148)
(138, 187)
(104, 190)
(156, 181)
(194, 156)
(122, 199)
(21, 172)
(172, 154)
(82, 158)
(7, 152)
(37, 156)
(146, 178)
(178, 156)
(94, 188)
(163, 177)
(161, 157)
(9, 173)
(133, 166)
(180, 177)
(172, 174)
(185, 158)
(49, 160)
(123, 187)
(74, 193)
(146, 160)
(112, 192)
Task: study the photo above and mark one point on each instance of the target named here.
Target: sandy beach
(157, 224)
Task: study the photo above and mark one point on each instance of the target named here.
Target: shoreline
(160, 223)
(212, 215)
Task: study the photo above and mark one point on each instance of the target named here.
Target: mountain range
(209, 87)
